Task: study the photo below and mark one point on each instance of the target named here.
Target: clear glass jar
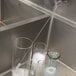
(22, 70)
(21, 54)
(39, 54)
(50, 63)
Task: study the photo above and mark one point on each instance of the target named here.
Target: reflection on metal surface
(64, 39)
(62, 2)
(9, 36)
(17, 12)
(68, 16)
(49, 12)
(2, 23)
(20, 23)
(63, 70)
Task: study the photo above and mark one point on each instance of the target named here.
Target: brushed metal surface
(68, 11)
(65, 12)
(49, 4)
(64, 39)
(62, 70)
(15, 11)
(64, 36)
(0, 9)
(8, 37)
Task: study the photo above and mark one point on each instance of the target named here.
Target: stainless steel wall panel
(64, 39)
(7, 40)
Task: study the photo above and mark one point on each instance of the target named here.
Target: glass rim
(53, 55)
(36, 43)
(26, 39)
